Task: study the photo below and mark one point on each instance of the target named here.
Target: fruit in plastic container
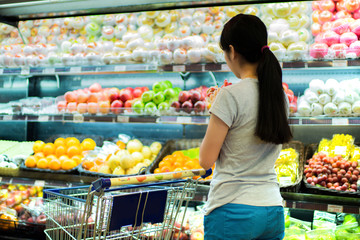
(330, 38)
(317, 86)
(356, 107)
(339, 50)
(344, 108)
(348, 38)
(318, 50)
(330, 109)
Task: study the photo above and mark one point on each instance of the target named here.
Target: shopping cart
(146, 207)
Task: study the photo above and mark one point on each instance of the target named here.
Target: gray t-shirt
(244, 171)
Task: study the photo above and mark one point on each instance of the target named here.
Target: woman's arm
(212, 142)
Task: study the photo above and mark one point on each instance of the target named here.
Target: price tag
(1, 70)
(75, 69)
(25, 71)
(40, 183)
(78, 118)
(340, 121)
(225, 67)
(183, 120)
(7, 118)
(92, 120)
(120, 68)
(340, 150)
(122, 119)
(49, 70)
(179, 68)
(335, 208)
(43, 118)
(207, 120)
(285, 180)
(152, 67)
(340, 63)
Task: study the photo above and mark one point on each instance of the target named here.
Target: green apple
(138, 106)
(163, 106)
(158, 87)
(177, 90)
(158, 98)
(150, 108)
(169, 93)
(147, 96)
(168, 84)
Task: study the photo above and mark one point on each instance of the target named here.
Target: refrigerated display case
(30, 93)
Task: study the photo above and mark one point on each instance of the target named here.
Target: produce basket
(146, 142)
(295, 187)
(310, 150)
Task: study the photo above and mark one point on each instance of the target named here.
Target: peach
(96, 87)
(82, 107)
(93, 97)
(70, 96)
(71, 107)
(104, 107)
(93, 107)
(82, 97)
(61, 106)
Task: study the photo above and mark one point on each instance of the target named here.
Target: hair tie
(263, 48)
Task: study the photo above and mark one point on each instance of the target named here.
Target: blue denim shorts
(244, 222)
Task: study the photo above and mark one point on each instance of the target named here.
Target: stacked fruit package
(287, 167)
(332, 166)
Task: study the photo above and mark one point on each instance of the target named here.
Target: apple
(352, 5)
(187, 106)
(82, 108)
(293, 107)
(70, 96)
(147, 96)
(163, 106)
(144, 89)
(158, 98)
(199, 106)
(82, 97)
(285, 86)
(93, 107)
(71, 107)
(195, 96)
(113, 95)
(130, 89)
(116, 106)
(184, 96)
(176, 105)
(128, 104)
(95, 87)
(169, 93)
(150, 107)
(61, 106)
(93, 97)
(327, 5)
(137, 92)
(125, 95)
(158, 87)
(41, 219)
(104, 107)
(168, 84)
(138, 106)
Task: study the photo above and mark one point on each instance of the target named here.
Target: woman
(248, 125)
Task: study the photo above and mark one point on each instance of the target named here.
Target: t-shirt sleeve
(224, 107)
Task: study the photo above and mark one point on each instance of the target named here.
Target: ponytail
(272, 123)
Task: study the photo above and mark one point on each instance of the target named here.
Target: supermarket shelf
(153, 67)
(187, 120)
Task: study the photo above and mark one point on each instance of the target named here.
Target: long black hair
(248, 35)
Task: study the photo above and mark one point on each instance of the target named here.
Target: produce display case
(31, 90)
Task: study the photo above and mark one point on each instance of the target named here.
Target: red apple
(128, 104)
(96, 87)
(113, 95)
(137, 92)
(144, 89)
(116, 106)
(70, 96)
(41, 219)
(176, 105)
(199, 106)
(104, 107)
(195, 96)
(93, 97)
(184, 96)
(71, 107)
(125, 95)
(187, 106)
(130, 89)
(93, 107)
(61, 106)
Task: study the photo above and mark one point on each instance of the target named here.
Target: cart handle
(103, 183)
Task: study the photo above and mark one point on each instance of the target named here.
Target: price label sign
(25, 71)
(7, 118)
(225, 67)
(122, 119)
(120, 68)
(1, 70)
(75, 69)
(78, 118)
(340, 121)
(40, 183)
(183, 120)
(49, 70)
(285, 180)
(43, 118)
(179, 68)
(207, 120)
(340, 63)
(335, 208)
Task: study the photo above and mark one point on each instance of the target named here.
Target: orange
(178, 164)
(48, 149)
(177, 170)
(63, 158)
(30, 162)
(60, 142)
(157, 170)
(39, 155)
(77, 158)
(88, 144)
(73, 150)
(94, 168)
(87, 164)
(165, 169)
(60, 150)
(42, 163)
(190, 164)
(38, 146)
(177, 154)
(164, 163)
(55, 164)
(68, 164)
(72, 141)
(121, 144)
(51, 157)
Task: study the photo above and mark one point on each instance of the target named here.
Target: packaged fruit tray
(176, 145)
(145, 142)
(299, 147)
(316, 189)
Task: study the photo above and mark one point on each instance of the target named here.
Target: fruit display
(63, 154)
(291, 97)
(335, 28)
(122, 158)
(330, 168)
(213, 91)
(330, 98)
(287, 166)
(157, 100)
(349, 229)
(95, 99)
(192, 101)
(288, 29)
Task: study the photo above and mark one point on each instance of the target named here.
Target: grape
(351, 169)
(344, 180)
(342, 171)
(352, 190)
(336, 184)
(338, 164)
(330, 179)
(353, 186)
(343, 188)
(354, 164)
(312, 183)
(334, 165)
(323, 183)
(329, 185)
(308, 175)
(356, 172)
(332, 187)
(354, 178)
(309, 180)
(315, 180)
(338, 188)
(348, 176)
(319, 170)
(335, 170)
(347, 165)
